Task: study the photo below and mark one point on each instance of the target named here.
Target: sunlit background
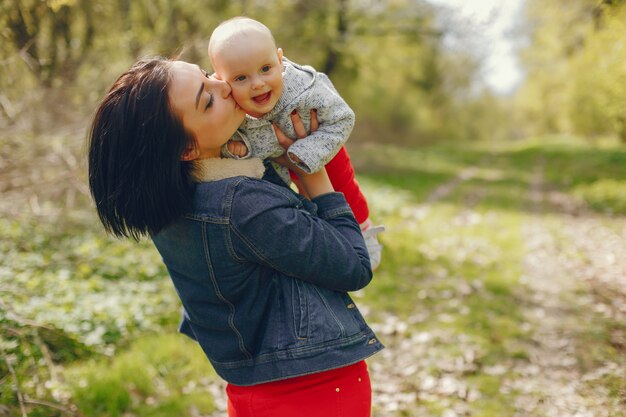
(415, 71)
(497, 29)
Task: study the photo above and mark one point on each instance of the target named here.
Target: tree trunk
(622, 129)
(334, 49)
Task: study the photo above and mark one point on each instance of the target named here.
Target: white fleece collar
(214, 169)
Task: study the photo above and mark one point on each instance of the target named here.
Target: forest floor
(569, 358)
(502, 290)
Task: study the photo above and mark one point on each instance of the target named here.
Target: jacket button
(371, 342)
(351, 305)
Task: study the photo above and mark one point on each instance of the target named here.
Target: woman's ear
(190, 154)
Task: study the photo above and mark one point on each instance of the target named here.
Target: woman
(262, 273)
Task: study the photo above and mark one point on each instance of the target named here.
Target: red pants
(341, 174)
(343, 392)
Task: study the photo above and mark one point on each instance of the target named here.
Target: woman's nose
(224, 88)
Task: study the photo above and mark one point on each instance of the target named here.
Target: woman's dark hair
(136, 176)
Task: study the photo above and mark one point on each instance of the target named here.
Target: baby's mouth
(263, 98)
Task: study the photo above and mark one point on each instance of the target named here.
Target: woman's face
(205, 107)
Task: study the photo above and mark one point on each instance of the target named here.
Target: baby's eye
(240, 78)
(265, 68)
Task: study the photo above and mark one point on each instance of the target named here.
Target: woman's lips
(263, 98)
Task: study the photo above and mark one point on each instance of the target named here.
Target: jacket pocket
(330, 314)
(301, 315)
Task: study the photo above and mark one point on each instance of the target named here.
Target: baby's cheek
(239, 95)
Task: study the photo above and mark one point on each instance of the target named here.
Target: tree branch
(18, 393)
(51, 405)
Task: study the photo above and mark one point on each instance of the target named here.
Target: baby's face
(253, 67)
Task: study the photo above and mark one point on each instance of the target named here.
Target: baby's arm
(336, 122)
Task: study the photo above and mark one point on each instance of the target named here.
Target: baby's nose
(257, 83)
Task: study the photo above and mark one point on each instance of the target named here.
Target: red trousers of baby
(341, 174)
(343, 392)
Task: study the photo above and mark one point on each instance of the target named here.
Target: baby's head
(243, 53)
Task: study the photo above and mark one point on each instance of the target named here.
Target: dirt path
(570, 261)
(402, 373)
(573, 271)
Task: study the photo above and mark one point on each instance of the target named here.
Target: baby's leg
(341, 174)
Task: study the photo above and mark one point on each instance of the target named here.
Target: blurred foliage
(67, 296)
(387, 58)
(71, 298)
(576, 68)
(607, 195)
(42, 271)
(160, 375)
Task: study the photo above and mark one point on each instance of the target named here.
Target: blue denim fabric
(263, 277)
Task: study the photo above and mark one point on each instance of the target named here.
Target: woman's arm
(325, 248)
(319, 241)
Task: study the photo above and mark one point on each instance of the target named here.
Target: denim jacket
(263, 276)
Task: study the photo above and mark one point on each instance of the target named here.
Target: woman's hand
(316, 183)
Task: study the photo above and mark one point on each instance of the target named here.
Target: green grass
(438, 250)
(592, 173)
(473, 236)
(607, 195)
(161, 375)
(451, 268)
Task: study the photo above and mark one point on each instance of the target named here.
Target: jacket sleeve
(336, 120)
(273, 228)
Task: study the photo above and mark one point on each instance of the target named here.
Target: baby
(270, 88)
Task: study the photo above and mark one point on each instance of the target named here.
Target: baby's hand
(237, 148)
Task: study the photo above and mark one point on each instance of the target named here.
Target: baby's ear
(279, 52)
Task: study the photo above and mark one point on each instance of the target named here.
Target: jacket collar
(214, 169)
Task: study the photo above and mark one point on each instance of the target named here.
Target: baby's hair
(239, 25)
